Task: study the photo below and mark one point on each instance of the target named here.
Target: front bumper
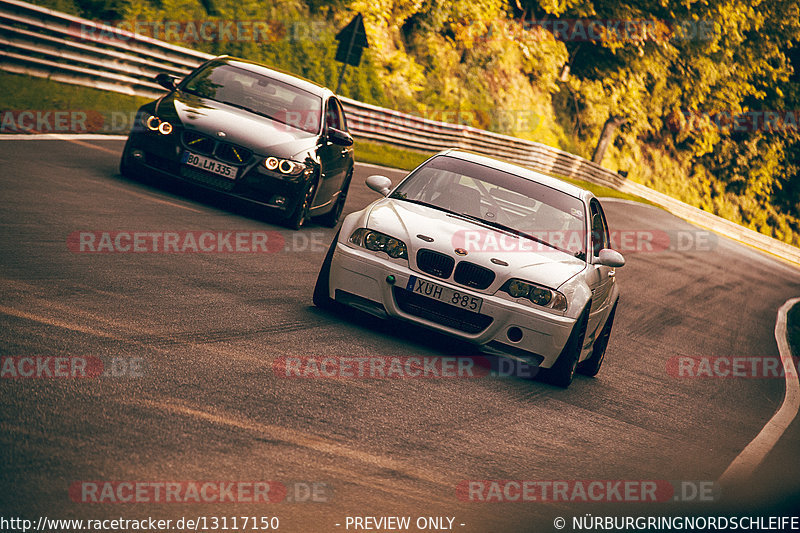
(359, 278)
(161, 156)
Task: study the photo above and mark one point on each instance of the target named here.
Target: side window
(599, 228)
(334, 116)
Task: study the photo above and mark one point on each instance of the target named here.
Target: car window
(335, 115)
(599, 228)
(257, 93)
(499, 198)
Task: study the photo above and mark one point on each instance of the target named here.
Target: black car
(245, 130)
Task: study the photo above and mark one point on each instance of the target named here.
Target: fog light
(514, 334)
(279, 200)
(137, 154)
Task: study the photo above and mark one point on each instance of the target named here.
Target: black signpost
(352, 41)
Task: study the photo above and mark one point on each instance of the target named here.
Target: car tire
(331, 218)
(591, 366)
(299, 214)
(322, 298)
(125, 169)
(563, 371)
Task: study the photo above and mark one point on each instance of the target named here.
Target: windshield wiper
(508, 229)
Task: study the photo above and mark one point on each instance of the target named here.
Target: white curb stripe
(754, 453)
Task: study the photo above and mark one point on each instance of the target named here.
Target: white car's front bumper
(358, 278)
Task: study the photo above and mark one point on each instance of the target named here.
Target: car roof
(544, 179)
(280, 75)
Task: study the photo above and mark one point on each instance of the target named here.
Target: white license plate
(449, 296)
(210, 165)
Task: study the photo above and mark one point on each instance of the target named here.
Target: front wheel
(563, 371)
(591, 366)
(331, 218)
(322, 297)
(300, 213)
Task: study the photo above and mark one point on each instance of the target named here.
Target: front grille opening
(198, 143)
(441, 313)
(231, 153)
(435, 263)
(472, 275)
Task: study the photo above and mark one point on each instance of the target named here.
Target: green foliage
(474, 61)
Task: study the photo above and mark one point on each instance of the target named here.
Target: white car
(492, 253)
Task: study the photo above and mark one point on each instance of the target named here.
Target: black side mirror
(342, 138)
(165, 80)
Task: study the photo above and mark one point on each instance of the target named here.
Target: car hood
(525, 258)
(263, 135)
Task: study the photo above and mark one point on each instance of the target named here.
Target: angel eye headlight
(271, 163)
(286, 166)
(379, 242)
(165, 128)
(151, 122)
(536, 294)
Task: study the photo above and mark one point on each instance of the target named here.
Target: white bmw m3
(492, 253)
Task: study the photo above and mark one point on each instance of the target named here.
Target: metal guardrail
(45, 43)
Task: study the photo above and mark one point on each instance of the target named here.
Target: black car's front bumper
(160, 155)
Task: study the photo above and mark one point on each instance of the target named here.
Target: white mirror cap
(611, 258)
(380, 184)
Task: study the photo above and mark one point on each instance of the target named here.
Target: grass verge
(89, 110)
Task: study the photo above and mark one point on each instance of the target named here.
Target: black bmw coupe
(245, 130)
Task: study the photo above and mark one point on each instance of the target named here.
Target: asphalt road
(206, 403)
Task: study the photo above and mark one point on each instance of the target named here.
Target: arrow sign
(352, 41)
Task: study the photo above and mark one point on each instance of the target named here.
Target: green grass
(106, 111)
(793, 329)
(388, 156)
(111, 112)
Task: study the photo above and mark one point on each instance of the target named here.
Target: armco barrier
(45, 43)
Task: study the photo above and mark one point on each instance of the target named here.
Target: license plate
(452, 297)
(209, 165)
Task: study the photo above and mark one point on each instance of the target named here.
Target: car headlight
(153, 123)
(541, 296)
(379, 242)
(287, 167)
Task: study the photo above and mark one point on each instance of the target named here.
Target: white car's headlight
(379, 242)
(541, 296)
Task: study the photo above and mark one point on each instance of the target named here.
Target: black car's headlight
(541, 296)
(379, 242)
(153, 123)
(287, 167)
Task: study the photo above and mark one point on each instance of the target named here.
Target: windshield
(500, 200)
(258, 94)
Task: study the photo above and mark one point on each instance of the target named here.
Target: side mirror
(342, 138)
(165, 80)
(610, 258)
(380, 184)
